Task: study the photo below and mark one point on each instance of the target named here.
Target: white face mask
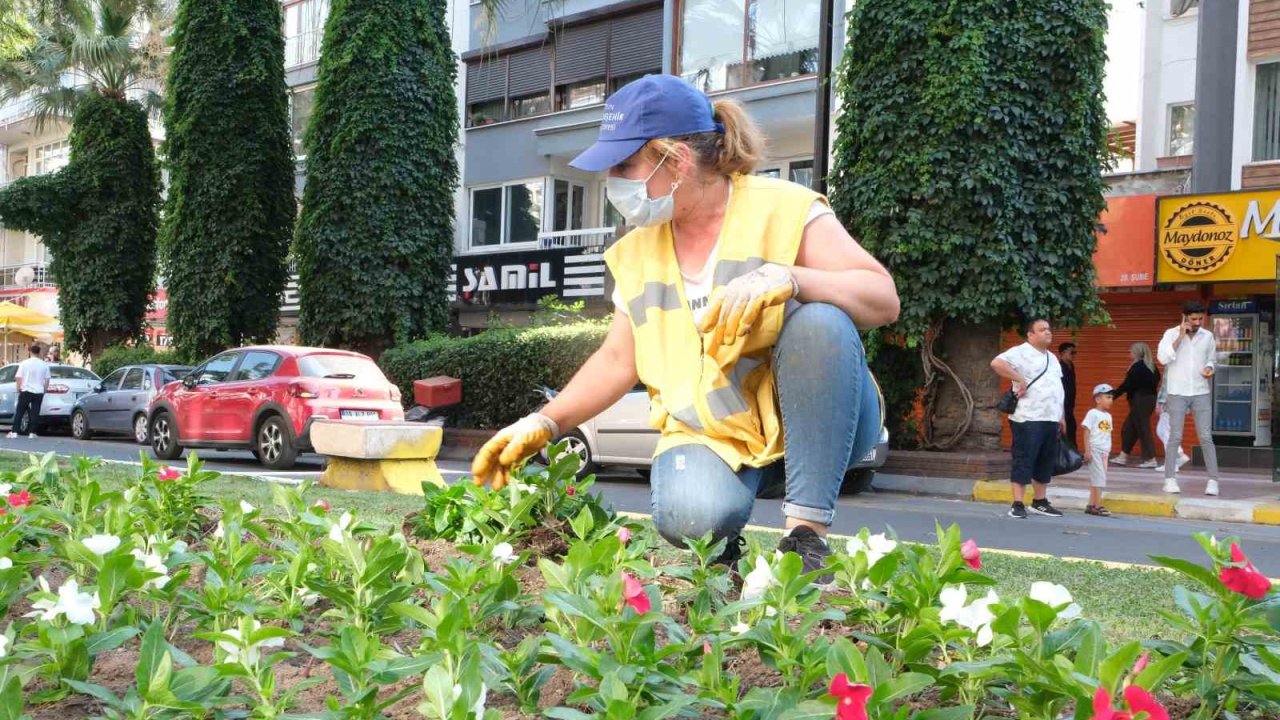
(631, 199)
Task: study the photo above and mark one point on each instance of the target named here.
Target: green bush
(117, 356)
(499, 369)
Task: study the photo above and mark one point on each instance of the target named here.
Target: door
(623, 434)
(8, 391)
(199, 418)
(120, 403)
(95, 403)
(241, 395)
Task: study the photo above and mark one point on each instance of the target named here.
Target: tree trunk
(969, 349)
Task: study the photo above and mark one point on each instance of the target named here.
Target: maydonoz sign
(1222, 237)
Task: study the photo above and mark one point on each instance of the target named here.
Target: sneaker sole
(1038, 511)
(1016, 517)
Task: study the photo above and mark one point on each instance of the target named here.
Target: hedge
(499, 369)
(117, 356)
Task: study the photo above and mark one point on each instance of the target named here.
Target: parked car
(621, 436)
(67, 383)
(265, 398)
(119, 404)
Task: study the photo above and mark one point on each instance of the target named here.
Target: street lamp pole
(822, 104)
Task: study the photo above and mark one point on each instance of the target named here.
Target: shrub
(117, 356)
(499, 369)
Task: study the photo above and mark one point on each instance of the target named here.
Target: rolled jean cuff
(800, 512)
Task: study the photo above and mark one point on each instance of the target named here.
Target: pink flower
(1142, 663)
(624, 534)
(969, 551)
(852, 699)
(633, 594)
(1138, 700)
(321, 505)
(570, 490)
(706, 647)
(1244, 580)
(167, 473)
(21, 498)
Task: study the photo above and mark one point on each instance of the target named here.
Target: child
(1097, 425)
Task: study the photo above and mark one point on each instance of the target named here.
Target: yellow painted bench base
(403, 476)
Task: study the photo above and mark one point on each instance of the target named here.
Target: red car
(265, 398)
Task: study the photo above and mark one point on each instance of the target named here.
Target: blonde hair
(736, 151)
(1142, 351)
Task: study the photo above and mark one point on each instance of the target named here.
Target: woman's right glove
(510, 446)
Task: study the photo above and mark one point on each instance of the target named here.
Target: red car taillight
(302, 391)
(57, 389)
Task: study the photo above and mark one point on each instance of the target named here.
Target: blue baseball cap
(653, 107)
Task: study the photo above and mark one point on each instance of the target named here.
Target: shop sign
(523, 278)
(1221, 237)
(1125, 252)
(1233, 307)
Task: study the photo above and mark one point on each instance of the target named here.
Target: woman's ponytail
(742, 142)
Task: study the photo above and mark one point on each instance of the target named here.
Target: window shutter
(530, 72)
(638, 43)
(486, 79)
(581, 53)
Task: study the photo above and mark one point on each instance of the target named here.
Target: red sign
(1126, 254)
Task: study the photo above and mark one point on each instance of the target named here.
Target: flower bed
(157, 602)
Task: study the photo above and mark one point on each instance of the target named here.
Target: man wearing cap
(739, 304)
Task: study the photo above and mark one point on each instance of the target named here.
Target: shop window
(1266, 113)
(756, 41)
(531, 105)
(583, 94)
(303, 31)
(1182, 129)
(301, 103)
(568, 200)
(487, 113)
(507, 214)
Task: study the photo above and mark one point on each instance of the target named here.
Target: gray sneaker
(811, 548)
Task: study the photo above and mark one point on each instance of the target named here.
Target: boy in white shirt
(1097, 425)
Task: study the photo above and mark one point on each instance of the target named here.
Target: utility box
(437, 392)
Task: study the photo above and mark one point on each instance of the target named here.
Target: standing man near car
(32, 381)
(1187, 352)
(1036, 375)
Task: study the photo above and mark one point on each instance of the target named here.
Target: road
(1120, 539)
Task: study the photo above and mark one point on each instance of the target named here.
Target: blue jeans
(830, 419)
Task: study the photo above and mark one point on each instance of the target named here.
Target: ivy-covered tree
(968, 159)
(230, 209)
(375, 236)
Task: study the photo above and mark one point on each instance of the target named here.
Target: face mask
(631, 199)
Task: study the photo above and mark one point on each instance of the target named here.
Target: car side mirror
(99, 388)
(189, 381)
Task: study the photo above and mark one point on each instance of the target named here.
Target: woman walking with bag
(1141, 384)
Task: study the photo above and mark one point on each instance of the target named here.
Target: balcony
(589, 239)
(15, 277)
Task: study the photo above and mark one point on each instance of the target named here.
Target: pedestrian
(1067, 357)
(1037, 423)
(32, 382)
(739, 304)
(1141, 384)
(55, 355)
(1097, 425)
(1187, 353)
(1162, 427)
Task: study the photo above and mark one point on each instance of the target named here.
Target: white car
(621, 436)
(67, 384)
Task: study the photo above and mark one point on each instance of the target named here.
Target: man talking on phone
(1187, 352)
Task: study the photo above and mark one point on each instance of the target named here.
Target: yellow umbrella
(15, 318)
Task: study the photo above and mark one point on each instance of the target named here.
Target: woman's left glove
(510, 446)
(734, 310)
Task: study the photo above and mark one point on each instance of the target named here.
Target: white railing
(17, 108)
(40, 277)
(587, 238)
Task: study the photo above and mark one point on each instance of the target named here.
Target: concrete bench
(378, 456)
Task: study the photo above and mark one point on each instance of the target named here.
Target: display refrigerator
(1235, 381)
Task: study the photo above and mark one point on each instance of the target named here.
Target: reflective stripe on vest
(658, 296)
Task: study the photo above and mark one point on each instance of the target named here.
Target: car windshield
(67, 372)
(340, 367)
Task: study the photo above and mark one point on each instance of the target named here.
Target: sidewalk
(1247, 496)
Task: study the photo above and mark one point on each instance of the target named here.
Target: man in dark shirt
(1067, 356)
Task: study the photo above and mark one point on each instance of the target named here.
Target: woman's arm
(833, 268)
(1130, 382)
(601, 381)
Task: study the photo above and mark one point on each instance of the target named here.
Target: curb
(1233, 511)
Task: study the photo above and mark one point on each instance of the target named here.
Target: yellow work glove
(736, 308)
(509, 447)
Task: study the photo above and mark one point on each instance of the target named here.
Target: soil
(547, 541)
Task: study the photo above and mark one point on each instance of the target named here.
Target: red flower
(21, 498)
(1138, 700)
(633, 594)
(852, 699)
(570, 490)
(1244, 580)
(706, 647)
(322, 505)
(1142, 663)
(969, 551)
(167, 473)
(3, 511)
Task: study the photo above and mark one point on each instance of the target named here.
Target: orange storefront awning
(1126, 253)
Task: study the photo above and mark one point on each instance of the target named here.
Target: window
(132, 381)
(486, 217)
(583, 94)
(617, 83)
(1182, 129)
(1178, 8)
(168, 375)
(7, 374)
(530, 105)
(802, 172)
(488, 113)
(508, 214)
(70, 372)
(568, 199)
(523, 212)
(51, 157)
(755, 41)
(775, 173)
(303, 31)
(302, 102)
(340, 367)
(612, 218)
(217, 369)
(257, 365)
(113, 380)
(1266, 113)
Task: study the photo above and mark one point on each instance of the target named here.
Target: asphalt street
(1120, 539)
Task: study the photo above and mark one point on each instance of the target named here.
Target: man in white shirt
(33, 380)
(1037, 423)
(1187, 352)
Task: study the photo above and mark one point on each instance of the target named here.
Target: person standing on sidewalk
(1067, 358)
(1162, 425)
(1140, 383)
(32, 381)
(1187, 353)
(1098, 425)
(1037, 422)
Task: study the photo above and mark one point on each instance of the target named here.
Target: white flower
(974, 617)
(338, 530)
(758, 580)
(246, 508)
(4, 646)
(504, 553)
(1056, 597)
(153, 563)
(953, 598)
(770, 611)
(219, 532)
(740, 629)
(45, 609)
(76, 605)
(524, 488)
(237, 654)
(478, 707)
(5, 563)
(309, 598)
(5, 488)
(101, 544)
(874, 547)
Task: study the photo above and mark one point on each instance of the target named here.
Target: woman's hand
(735, 310)
(510, 446)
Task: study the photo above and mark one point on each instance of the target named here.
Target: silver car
(67, 383)
(118, 405)
(621, 436)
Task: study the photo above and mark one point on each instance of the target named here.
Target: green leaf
(11, 699)
(153, 648)
(899, 687)
(1155, 674)
(1199, 573)
(93, 690)
(109, 640)
(1114, 668)
(960, 712)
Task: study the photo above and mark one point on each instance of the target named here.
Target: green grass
(1125, 600)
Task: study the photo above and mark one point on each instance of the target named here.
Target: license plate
(359, 414)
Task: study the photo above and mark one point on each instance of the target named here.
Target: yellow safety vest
(721, 397)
